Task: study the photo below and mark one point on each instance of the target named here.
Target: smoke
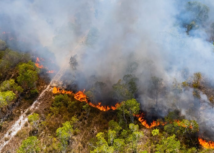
(108, 39)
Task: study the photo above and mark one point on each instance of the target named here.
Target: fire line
(80, 96)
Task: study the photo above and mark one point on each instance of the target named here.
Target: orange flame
(206, 144)
(58, 91)
(39, 66)
(156, 123)
(37, 60)
(182, 124)
(37, 63)
(144, 123)
(80, 96)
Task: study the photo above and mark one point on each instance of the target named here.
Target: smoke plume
(108, 39)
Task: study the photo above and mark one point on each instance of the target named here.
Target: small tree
(114, 126)
(61, 100)
(29, 145)
(169, 144)
(65, 132)
(111, 136)
(10, 85)
(129, 107)
(121, 91)
(119, 144)
(102, 145)
(34, 120)
(6, 97)
(134, 136)
(155, 85)
(28, 75)
(87, 108)
(131, 82)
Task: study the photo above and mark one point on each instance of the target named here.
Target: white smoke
(119, 33)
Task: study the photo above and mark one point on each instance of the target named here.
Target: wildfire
(80, 96)
(58, 91)
(206, 144)
(39, 66)
(182, 124)
(144, 123)
(38, 60)
(37, 63)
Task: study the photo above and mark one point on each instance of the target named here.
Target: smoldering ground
(164, 39)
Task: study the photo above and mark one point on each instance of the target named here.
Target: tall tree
(155, 85)
(129, 107)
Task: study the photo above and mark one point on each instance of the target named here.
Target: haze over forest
(106, 76)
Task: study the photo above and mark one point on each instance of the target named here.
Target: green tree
(131, 82)
(134, 136)
(111, 136)
(155, 132)
(114, 126)
(119, 144)
(121, 91)
(34, 120)
(61, 100)
(90, 94)
(168, 145)
(28, 75)
(102, 145)
(129, 107)
(116, 140)
(87, 108)
(10, 85)
(96, 92)
(29, 145)
(65, 132)
(6, 97)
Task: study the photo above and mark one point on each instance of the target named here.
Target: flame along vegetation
(80, 96)
(37, 64)
(206, 144)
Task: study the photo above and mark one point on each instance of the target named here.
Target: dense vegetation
(67, 125)
(63, 124)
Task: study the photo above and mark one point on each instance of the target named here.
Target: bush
(29, 145)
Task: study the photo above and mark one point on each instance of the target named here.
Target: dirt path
(18, 125)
